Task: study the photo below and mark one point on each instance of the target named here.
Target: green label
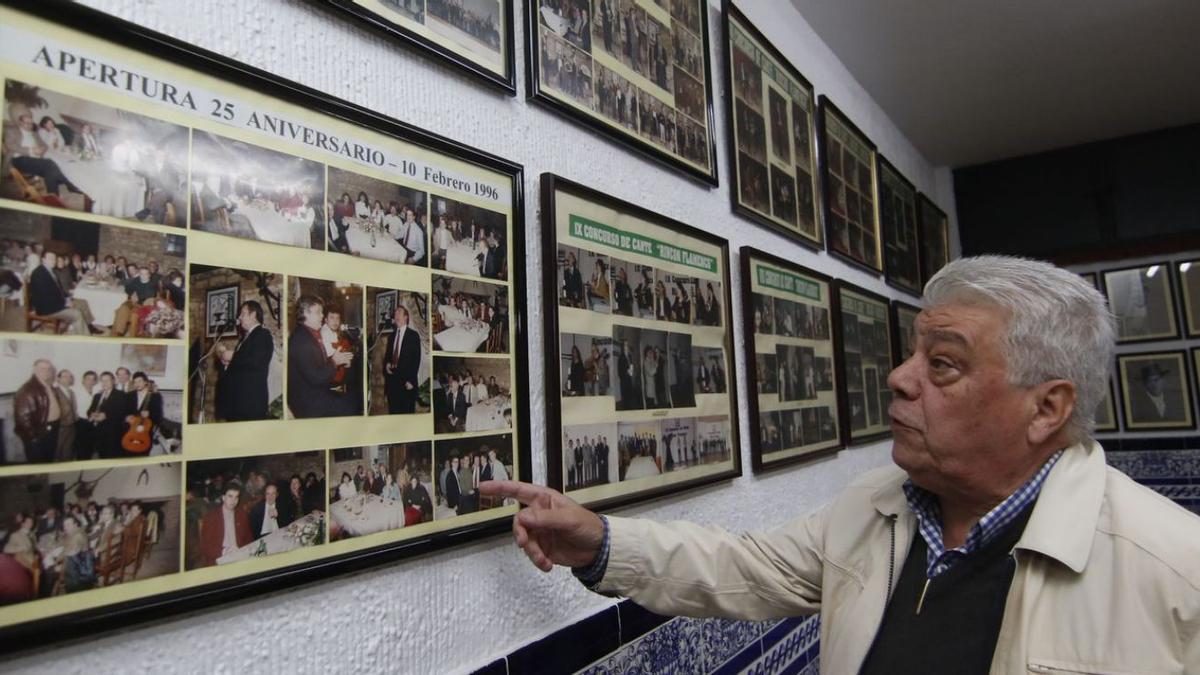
(769, 277)
(855, 305)
(777, 74)
(599, 233)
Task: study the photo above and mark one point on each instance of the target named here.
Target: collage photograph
(375, 219)
(377, 488)
(235, 345)
(81, 530)
(74, 401)
(86, 278)
(240, 508)
(75, 154)
(471, 394)
(324, 348)
(398, 364)
(462, 464)
(247, 191)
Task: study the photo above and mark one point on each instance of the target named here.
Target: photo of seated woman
(376, 219)
(380, 488)
(75, 531)
(240, 508)
(247, 191)
(72, 153)
(72, 276)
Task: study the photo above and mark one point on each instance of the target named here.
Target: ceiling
(972, 81)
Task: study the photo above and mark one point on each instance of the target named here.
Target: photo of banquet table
(463, 333)
(366, 514)
(300, 532)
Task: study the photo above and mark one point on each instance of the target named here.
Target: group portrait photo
(246, 507)
(81, 530)
(379, 488)
(83, 278)
(235, 345)
(398, 363)
(373, 218)
(462, 464)
(71, 153)
(324, 348)
(588, 455)
(71, 401)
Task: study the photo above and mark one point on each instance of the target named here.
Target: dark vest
(960, 617)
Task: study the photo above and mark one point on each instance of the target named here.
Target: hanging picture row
(640, 394)
(849, 190)
(287, 333)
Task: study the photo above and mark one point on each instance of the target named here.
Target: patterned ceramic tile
(797, 652)
(1175, 474)
(725, 638)
(674, 647)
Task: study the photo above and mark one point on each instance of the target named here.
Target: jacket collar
(1064, 519)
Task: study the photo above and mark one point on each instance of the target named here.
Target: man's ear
(1054, 401)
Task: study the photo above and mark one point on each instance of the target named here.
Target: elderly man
(39, 408)
(50, 299)
(1001, 542)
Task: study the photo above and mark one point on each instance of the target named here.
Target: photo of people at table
(462, 464)
(475, 23)
(72, 153)
(708, 364)
(570, 20)
(378, 488)
(398, 364)
(469, 316)
(376, 219)
(248, 191)
(72, 276)
(471, 394)
(76, 400)
(639, 449)
(235, 361)
(584, 280)
(469, 240)
(324, 349)
(586, 364)
(588, 454)
(247, 507)
(75, 531)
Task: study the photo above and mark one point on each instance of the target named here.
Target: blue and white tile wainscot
(1169, 465)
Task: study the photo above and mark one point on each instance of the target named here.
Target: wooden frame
(842, 205)
(409, 30)
(899, 228)
(1189, 300)
(934, 235)
(572, 210)
(902, 314)
(581, 107)
(739, 30)
(63, 26)
(850, 347)
(1163, 303)
(761, 270)
(1185, 418)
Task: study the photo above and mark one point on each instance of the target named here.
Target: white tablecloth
(462, 259)
(554, 21)
(641, 467)
(113, 193)
(279, 541)
(463, 334)
(367, 514)
(488, 415)
(385, 247)
(270, 225)
(103, 301)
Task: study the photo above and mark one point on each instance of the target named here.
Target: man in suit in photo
(38, 414)
(224, 529)
(49, 299)
(64, 389)
(242, 392)
(310, 371)
(572, 283)
(106, 413)
(402, 361)
(28, 153)
(270, 514)
(163, 182)
(1149, 400)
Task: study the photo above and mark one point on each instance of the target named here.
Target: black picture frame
(506, 82)
(731, 16)
(749, 256)
(1092, 279)
(536, 92)
(89, 622)
(1169, 324)
(883, 393)
(551, 185)
(1187, 408)
(935, 237)
(831, 160)
(902, 313)
(896, 232)
(1189, 300)
(1110, 398)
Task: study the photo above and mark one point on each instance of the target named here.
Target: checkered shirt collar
(928, 510)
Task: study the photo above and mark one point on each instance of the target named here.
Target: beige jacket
(1107, 580)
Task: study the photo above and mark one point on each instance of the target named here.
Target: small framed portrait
(220, 312)
(385, 308)
(1106, 412)
(1156, 391)
(1143, 301)
(1188, 275)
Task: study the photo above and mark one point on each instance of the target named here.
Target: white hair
(1059, 325)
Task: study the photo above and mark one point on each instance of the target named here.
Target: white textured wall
(459, 609)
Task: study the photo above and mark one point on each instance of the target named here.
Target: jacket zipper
(891, 566)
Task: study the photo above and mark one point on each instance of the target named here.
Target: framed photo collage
(252, 335)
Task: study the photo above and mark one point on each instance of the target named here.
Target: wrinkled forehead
(976, 325)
